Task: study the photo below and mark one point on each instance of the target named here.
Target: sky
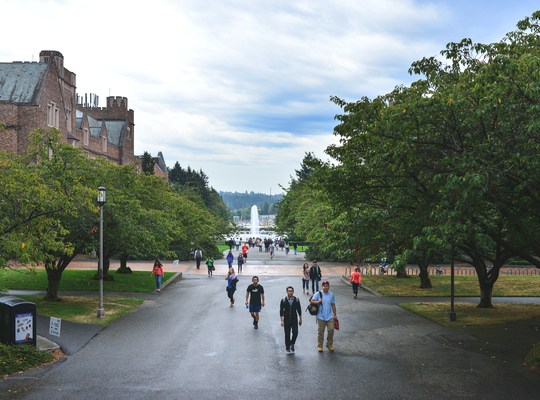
(240, 89)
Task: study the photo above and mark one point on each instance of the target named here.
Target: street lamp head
(101, 195)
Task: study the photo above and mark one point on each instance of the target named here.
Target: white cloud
(241, 88)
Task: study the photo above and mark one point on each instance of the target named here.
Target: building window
(86, 136)
(53, 115)
(104, 144)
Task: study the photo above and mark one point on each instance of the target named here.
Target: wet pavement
(187, 343)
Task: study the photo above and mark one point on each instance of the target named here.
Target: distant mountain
(236, 201)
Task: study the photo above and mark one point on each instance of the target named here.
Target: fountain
(254, 221)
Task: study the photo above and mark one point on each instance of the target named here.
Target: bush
(15, 358)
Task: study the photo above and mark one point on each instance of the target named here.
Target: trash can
(17, 320)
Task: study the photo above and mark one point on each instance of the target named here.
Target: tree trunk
(425, 281)
(54, 274)
(486, 291)
(54, 271)
(124, 269)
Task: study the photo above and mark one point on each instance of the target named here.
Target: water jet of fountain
(254, 221)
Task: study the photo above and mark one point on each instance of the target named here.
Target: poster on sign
(24, 327)
(55, 326)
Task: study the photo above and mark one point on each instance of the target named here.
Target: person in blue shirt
(325, 316)
(230, 259)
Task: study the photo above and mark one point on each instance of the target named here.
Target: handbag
(336, 324)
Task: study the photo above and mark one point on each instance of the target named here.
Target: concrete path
(187, 343)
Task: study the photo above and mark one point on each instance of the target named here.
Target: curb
(173, 279)
(362, 286)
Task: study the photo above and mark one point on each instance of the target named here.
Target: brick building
(43, 95)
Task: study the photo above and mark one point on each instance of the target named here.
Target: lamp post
(452, 315)
(101, 202)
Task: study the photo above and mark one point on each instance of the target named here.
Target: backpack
(313, 309)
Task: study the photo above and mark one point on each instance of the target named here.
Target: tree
(147, 164)
(28, 209)
(69, 174)
(455, 154)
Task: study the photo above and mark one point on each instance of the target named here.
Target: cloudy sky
(241, 88)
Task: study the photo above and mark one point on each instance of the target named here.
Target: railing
(459, 270)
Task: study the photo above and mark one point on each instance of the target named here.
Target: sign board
(24, 327)
(55, 325)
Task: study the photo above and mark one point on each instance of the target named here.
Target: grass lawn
(83, 309)
(36, 279)
(469, 314)
(464, 286)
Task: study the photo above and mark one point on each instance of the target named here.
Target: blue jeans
(305, 284)
(314, 283)
(158, 281)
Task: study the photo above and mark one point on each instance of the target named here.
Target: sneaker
(292, 348)
(330, 347)
(319, 349)
(288, 351)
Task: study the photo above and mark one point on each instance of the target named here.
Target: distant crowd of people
(278, 243)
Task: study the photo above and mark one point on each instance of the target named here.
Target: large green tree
(452, 161)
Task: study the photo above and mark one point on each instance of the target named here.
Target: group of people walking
(290, 309)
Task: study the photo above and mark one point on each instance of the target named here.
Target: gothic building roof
(22, 82)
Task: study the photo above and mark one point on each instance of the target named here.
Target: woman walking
(157, 273)
(231, 279)
(305, 278)
(356, 280)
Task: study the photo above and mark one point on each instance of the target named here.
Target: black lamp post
(452, 310)
(101, 201)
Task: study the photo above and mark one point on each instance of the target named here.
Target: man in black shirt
(291, 316)
(315, 276)
(255, 299)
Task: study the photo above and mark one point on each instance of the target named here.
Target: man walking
(290, 313)
(255, 299)
(315, 276)
(325, 316)
(198, 258)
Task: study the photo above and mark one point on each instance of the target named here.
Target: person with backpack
(326, 316)
(290, 313)
(210, 265)
(198, 258)
(315, 276)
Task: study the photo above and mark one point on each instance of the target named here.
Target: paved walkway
(377, 335)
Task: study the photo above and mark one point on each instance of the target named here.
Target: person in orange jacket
(356, 280)
(157, 272)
